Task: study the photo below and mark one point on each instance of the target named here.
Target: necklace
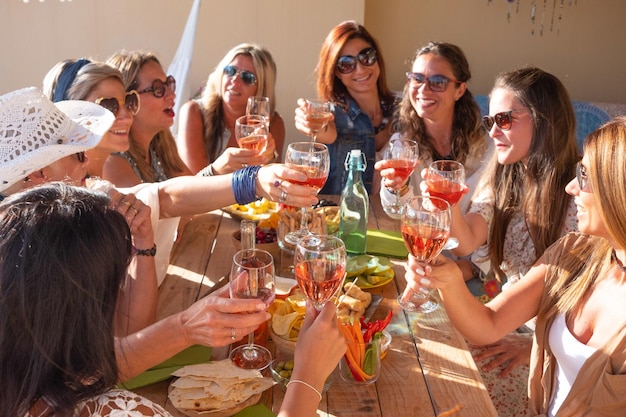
(618, 262)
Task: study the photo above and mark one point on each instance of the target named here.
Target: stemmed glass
(446, 180)
(402, 155)
(311, 158)
(425, 228)
(318, 114)
(251, 132)
(320, 267)
(252, 276)
(259, 106)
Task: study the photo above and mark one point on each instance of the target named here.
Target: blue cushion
(588, 119)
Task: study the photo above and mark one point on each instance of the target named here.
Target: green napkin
(259, 410)
(386, 243)
(161, 372)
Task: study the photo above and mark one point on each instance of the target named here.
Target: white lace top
(118, 403)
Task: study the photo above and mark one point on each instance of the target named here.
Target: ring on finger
(134, 209)
(125, 202)
(283, 196)
(232, 334)
(276, 184)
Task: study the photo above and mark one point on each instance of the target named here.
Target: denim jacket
(354, 131)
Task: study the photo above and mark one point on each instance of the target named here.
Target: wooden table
(428, 370)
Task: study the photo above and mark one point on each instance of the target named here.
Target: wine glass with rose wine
(401, 155)
(318, 113)
(446, 180)
(252, 276)
(320, 267)
(259, 106)
(251, 132)
(312, 159)
(425, 228)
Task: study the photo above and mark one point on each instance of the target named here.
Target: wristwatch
(145, 252)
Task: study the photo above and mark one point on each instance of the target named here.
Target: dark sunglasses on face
(158, 87)
(581, 175)
(247, 77)
(131, 102)
(438, 83)
(80, 156)
(503, 120)
(347, 63)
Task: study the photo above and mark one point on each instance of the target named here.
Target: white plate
(284, 285)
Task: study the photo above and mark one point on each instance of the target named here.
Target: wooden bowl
(282, 344)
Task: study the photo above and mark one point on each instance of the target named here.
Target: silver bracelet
(307, 384)
(207, 171)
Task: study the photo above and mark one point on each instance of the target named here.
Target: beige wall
(587, 53)
(591, 63)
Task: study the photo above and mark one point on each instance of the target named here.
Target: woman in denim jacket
(351, 74)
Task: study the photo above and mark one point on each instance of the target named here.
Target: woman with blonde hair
(576, 290)
(152, 156)
(83, 79)
(206, 136)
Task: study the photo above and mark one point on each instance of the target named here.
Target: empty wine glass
(320, 267)
(446, 179)
(425, 228)
(251, 132)
(252, 276)
(318, 114)
(402, 155)
(312, 159)
(259, 106)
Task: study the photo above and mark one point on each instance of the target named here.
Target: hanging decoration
(533, 13)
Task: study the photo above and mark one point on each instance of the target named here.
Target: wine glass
(446, 180)
(259, 106)
(251, 132)
(252, 276)
(402, 155)
(320, 267)
(318, 113)
(313, 159)
(425, 228)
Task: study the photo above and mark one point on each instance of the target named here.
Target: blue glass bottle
(354, 207)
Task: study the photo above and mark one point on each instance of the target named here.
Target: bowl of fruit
(265, 240)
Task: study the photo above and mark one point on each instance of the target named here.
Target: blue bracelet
(244, 184)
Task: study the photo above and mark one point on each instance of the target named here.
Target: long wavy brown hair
(468, 134)
(329, 86)
(537, 189)
(129, 63)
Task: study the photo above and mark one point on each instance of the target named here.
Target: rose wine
(448, 190)
(320, 119)
(264, 294)
(254, 142)
(319, 279)
(424, 241)
(315, 178)
(402, 167)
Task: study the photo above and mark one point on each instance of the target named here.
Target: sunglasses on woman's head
(503, 120)
(247, 77)
(347, 63)
(158, 87)
(131, 102)
(437, 83)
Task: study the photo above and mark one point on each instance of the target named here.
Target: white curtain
(179, 67)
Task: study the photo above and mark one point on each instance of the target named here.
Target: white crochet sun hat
(34, 132)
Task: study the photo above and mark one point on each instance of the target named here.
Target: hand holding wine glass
(320, 267)
(446, 180)
(251, 132)
(319, 113)
(312, 159)
(425, 228)
(402, 155)
(252, 276)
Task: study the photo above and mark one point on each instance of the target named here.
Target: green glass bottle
(354, 207)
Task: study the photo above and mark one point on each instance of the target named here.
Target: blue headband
(67, 77)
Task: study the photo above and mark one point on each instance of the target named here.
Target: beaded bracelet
(244, 184)
(307, 384)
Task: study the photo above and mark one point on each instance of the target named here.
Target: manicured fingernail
(425, 281)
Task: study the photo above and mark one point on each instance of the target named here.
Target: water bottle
(354, 207)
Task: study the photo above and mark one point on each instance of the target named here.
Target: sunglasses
(80, 156)
(131, 102)
(247, 77)
(503, 120)
(347, 63)
(581, 175)
(158, 87)
(437, 83)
